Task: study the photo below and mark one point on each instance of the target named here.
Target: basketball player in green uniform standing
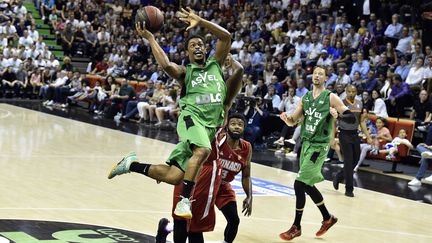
(203, 101)
(317, 110)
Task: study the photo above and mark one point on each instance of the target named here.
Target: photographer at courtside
(255, 115)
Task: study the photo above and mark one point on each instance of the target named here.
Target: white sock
(169, 227)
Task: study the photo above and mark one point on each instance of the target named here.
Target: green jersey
(204, 93)
(317, 122)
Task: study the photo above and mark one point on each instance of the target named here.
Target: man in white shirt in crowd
(416, 74)
(343, 78)
(314, 49)
(238, 43)
(293, 57)
(324, 60)
(25, 40)
(271, 95)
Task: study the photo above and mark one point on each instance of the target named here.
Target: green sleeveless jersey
(204, 93)
(317, 123)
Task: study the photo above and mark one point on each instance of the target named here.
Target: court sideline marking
(250, 218)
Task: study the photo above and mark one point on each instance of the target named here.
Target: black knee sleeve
(313, 192)
(299, 188)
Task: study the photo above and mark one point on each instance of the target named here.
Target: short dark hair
(194, 37)
(237, 115)
(397, 77)
(383, 120)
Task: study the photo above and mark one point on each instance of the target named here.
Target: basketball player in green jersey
(203, 101)
(317, 110)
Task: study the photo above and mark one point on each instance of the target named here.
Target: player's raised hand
(142, 31)
(247, 206)
(188, 16)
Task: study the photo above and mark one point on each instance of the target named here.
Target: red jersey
(209, 189)
(232, 161)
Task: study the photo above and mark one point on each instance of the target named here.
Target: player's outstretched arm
(234, 82)
(223, 45)
(295, 117)
(172, 69)
(344, 113)
(247, 185)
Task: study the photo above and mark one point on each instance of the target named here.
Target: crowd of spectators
(381, 48)
(23, 54)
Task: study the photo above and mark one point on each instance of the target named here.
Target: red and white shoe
(326, 225)
(292, 233)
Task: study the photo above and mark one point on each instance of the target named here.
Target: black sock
(299, 189)
(298, 216)
(140, 168)
(318, 200)
(187, 188)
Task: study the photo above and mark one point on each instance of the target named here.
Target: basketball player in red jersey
(230, 156)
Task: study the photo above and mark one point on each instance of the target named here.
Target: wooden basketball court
(55, 169)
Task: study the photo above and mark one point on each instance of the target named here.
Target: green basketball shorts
(191, 132)
(311, 161)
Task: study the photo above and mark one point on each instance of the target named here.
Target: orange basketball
(152, 17)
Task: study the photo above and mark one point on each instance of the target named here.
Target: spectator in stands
(400, 97)
(342, 77)
(422, 111)
(404, 44)
(428, 53)
(169, 102)
(101, 67)
(67, 38)
(297, 74)
(275, 98)
(416, 75)
(250, 87)
(379, 107)
(50, 88)
(394, 29)
(368, 102)
(36, 81)
(416, 54)
(261, 89)
(10, 83)
(403, 68)
(391, 149)
(146, 109)
(324, 59)
(67, 65)
(143, 96)
(301, 89)
(255, 114)
(289, 104)
(382, 66)
(125, 94)
(360, 65)
(383, 134)
(371, 83)
(426, 156)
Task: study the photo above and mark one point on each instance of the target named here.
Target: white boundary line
(8, 113)
(166, 213)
